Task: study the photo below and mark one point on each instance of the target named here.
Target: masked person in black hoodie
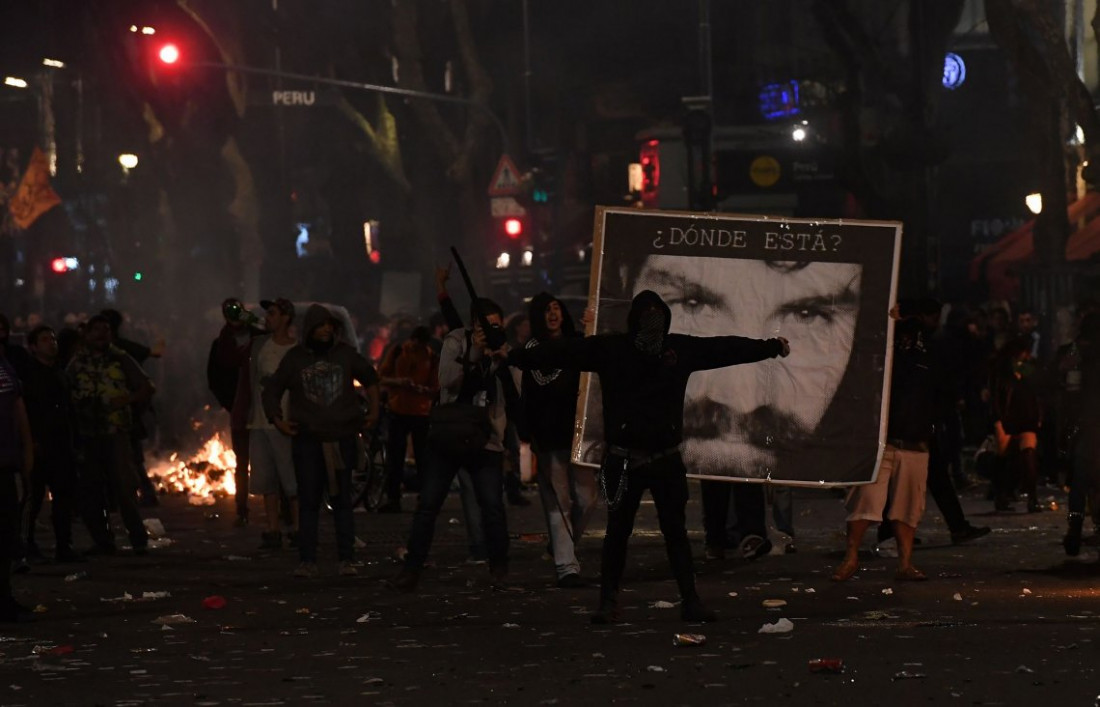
(324, 419)
(568, 492)
(643, 378)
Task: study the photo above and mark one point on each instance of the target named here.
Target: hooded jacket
(643, 394)
(323, 400)
(550, 395)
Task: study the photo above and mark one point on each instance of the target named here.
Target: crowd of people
(460, 398)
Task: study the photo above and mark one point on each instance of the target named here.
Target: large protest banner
(817, 417)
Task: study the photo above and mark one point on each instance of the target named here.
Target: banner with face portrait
(817, 417)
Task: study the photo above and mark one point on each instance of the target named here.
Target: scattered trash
(957, 597)
(172, 619)
(1024, 669)
(155, 595)
(780, 626)
(888, 591)
(238, 558)
(157, 543)
(773, 603)
(654, 669)
(373, 681)
(688, 639)
(906, 675)
(126, 596)
(154, 527)
(303, 610)
(369, 616)
(662, 605)
(40, 609)
(733, 594)
(453, 521)
(75, 576)
(811, 590)
(510, 626)
(1026, 591)
(214, 602)
(52, 650)
(827, 665)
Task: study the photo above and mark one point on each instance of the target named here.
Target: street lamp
(1034, 203)
(128, 161)
(14, 82)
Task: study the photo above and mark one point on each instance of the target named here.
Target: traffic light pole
(360, 86)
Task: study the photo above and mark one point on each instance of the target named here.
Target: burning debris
(204, 476)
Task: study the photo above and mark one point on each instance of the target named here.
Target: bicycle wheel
(374, 486)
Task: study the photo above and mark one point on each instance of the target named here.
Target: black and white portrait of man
(813, 417)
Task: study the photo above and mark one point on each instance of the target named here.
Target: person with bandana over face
(643, 377)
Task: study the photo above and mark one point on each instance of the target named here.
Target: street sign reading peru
(506, 179)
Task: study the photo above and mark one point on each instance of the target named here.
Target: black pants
(401, 426)
(9, 536)
(106, 474)
(54, 468)
(943, 490)
(239, 440)
(666, 480)
(749, 509)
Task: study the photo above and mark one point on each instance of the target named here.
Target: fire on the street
(205, 475)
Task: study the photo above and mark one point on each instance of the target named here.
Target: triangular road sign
(505, 181)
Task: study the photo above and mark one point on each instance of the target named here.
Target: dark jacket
(550, 395)
(643, 395)
(49, 405)
(323, 400)
(228, 373)
(914, 387)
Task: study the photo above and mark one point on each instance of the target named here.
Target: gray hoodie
(323, 400)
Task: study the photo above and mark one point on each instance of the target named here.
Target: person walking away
(568, 492)
(644, 376)
(105, 383)
(323, 420)
(1086, 449)
(410, 374)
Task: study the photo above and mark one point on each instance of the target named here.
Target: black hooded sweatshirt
(643, 394)
(550, 395)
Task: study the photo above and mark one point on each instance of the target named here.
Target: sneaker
(573, 580)
(405, 580)
(754, 546)
(271, 540)
(1072, 544)
(692, 610)
(65, 555)
(306, 570)
(391, 506)
(713, 553)
(607, 613)
(970, 533)
(16, 613)
(347, 569)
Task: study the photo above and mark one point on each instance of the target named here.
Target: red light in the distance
(58, 265)
(169, 54)
(513, 227)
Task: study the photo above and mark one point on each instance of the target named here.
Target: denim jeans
(313, 481)
(486, 477)
(107, 474)
(568, 496)
(401, 426)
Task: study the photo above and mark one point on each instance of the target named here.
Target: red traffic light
(58, 265)
(513, 227)
(169, 54)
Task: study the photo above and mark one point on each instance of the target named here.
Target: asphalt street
(1005, 620)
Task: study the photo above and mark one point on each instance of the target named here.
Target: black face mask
(319, 347)
(650, 335)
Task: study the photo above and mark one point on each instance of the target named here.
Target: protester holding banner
(643, 375)
(902, 475)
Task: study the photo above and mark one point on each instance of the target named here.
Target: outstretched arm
(589, 353)
(704, 353)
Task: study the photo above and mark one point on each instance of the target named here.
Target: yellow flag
(34, 196)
